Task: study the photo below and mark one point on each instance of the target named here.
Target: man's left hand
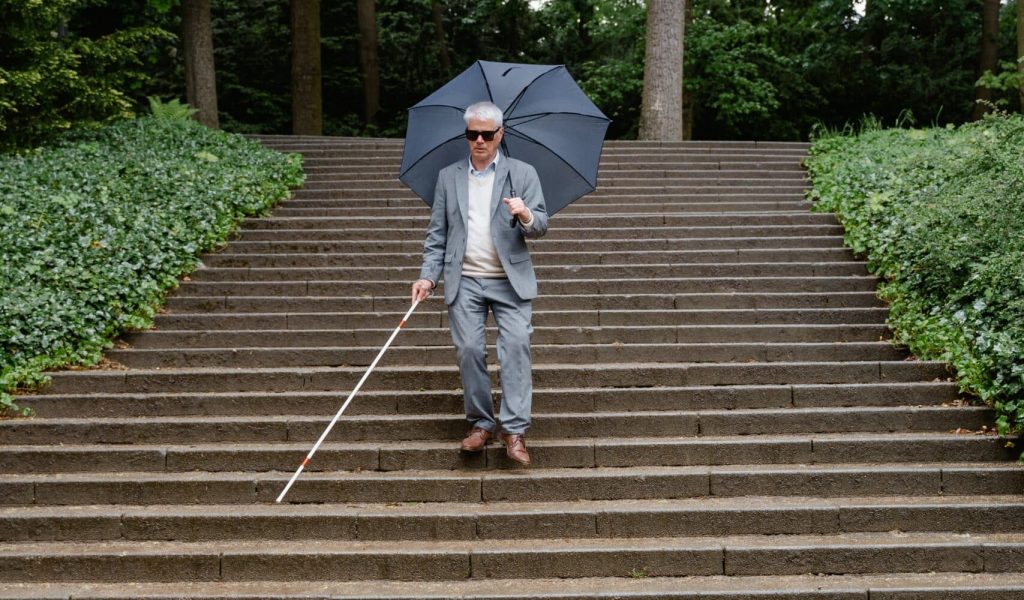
(518, 208)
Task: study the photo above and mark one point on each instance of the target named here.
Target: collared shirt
(490, 168)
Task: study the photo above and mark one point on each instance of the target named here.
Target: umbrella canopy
(549, 123)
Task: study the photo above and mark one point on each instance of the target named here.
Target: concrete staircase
(718, 415)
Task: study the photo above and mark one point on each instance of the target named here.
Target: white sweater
(481, 259)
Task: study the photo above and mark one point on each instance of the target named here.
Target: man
(479, 245)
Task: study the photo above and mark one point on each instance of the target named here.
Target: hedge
(939, 213)
(95, 229)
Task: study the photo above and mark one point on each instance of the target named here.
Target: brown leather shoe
(515, 447)
(476, 439)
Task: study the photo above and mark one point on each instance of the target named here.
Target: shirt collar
(489, 168)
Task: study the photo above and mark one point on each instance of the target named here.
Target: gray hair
(487, 111)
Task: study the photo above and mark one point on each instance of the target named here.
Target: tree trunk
(442, 40)
(989, 55)
(662, 107)
(1020, 52)
(367, 16)
(307, 97)
(200, 75)
(688, 105)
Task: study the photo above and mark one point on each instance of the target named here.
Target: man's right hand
(421, 290)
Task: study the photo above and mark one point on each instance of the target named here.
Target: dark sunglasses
(472, 134)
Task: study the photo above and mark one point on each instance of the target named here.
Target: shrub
(939, 213)
(96, 229)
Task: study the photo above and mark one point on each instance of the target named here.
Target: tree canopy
(762, 69)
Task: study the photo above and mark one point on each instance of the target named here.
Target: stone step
(617, 222)
(669, 286)
(288, 210)
(543, 246)
(608, 167)
(590, 204)
(432, 319)
(223, 354)
(434, 338)
(539, 258)
(635, 585)
(669, 424)
(609, 520)
(408, 274)
(131, 561)
(568, 453)
(545, 375)
(543, 303)
(560, 233)
(514, 485)
(171, 403)
(605, 183)
(711, 188)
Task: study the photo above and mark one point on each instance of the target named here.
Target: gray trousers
(468, 317)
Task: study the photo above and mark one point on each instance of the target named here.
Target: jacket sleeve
(533, 197)
(437, 235)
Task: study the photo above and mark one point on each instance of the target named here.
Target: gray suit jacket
(445, 243)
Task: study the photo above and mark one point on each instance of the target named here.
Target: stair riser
(442, 402)
(613, 223)
(235, 357)
(415, 247)
(410, 338)
(604, 181)
(505, 486)
(500, 563)
(414, 235)
(447, 378)
(665, 285)
(570, 454)
(584, 210)
(606, 318)
(615, 524)
(372, 429)
(646, 257)
(609, 273)
(297, 304)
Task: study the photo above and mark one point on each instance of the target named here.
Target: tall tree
(989, 57)
(367, 16)
(437, 12)
(200, 74)
(661, 112)
(688, 100)
(307, 98)
(1020, 52)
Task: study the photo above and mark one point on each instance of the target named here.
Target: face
(482, 152)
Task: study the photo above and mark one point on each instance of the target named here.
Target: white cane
(345, 405)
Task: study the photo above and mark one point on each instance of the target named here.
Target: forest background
(753, 69)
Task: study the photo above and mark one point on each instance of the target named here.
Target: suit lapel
(462, 192)
(500, 181)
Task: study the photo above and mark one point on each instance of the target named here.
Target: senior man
(484, 209)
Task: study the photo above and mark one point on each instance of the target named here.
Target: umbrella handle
(512, 190)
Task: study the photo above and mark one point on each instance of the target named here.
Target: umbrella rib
(426, 154)
(519, 96)
(565, 162)
(535, 116)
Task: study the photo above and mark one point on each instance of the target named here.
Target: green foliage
(173, 110)
(97, 228)
(53, 77)
(727, 69)
(938, 214)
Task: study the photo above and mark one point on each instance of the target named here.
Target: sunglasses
(472, 134)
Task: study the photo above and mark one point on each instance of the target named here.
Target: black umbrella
(549, 123)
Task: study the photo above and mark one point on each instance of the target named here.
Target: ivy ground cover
(939, 213)
(97, 228)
